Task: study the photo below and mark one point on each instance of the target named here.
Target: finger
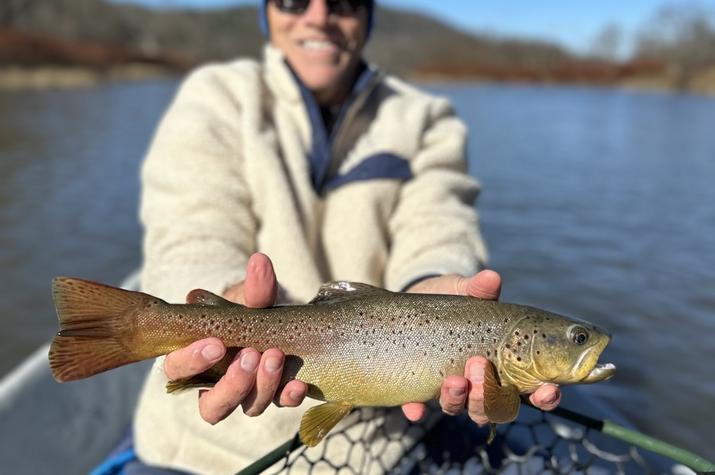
(235, 293)
(474, 372)
(485, 285)
(260, 287)
(293, 393)
(414, 411)
(268, 378)
(193, 359)
(547, 397)
(230, 391)
(453, 395)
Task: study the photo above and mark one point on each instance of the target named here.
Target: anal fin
(319, 420)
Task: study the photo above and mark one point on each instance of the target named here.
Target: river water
(596, 203)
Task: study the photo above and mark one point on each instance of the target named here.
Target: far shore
(17, 78)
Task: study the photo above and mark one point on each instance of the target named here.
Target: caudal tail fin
(97, 328)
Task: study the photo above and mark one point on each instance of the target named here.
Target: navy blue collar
(321, 152)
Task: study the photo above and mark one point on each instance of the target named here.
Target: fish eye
(578, 335)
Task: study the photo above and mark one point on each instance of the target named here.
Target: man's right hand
(252, 379)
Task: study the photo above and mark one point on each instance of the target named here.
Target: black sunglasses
(336, 7)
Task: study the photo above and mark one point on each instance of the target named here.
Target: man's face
(322, 48)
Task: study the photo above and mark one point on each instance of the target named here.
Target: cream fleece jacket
(240, 164)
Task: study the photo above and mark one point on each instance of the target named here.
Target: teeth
(317, 44)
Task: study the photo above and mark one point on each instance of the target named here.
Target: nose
(317, 13)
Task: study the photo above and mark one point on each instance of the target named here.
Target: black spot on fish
(518, 358)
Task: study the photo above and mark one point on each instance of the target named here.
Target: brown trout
(353, 344)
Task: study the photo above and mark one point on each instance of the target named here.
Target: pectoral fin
(319, 420)
(501, 403)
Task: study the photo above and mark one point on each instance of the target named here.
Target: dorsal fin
(204, 297)
(341, 289)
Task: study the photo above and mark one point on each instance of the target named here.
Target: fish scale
(354, 344)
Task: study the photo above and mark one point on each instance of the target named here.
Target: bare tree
(608, 43)
(11, 10)
(682, 35)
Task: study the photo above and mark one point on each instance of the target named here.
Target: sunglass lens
(345, 7)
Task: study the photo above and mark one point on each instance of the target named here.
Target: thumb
(485, 285)
(260, 286)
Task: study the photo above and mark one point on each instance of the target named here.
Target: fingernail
(457, 391)
(273, 364)
(295, 395)
(249, 361)
(211, 352)
(550, 399)
(476, 374)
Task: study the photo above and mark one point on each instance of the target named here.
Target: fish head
(544, 347)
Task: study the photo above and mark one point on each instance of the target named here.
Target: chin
(321, 80)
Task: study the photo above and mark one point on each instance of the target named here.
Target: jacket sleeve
(195, 207)
(434, 228)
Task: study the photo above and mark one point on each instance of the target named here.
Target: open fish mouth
(600, 372)
(589, 359)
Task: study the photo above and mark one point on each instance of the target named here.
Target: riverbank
(17, 78)
(32, 61)
(647, 76)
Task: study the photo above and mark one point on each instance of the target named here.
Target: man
(337, 172)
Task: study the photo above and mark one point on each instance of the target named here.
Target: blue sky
(573, 23)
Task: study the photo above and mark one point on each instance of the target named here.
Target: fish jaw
(588, 364)
(600, 372)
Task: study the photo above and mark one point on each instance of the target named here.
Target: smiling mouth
(318, 45)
